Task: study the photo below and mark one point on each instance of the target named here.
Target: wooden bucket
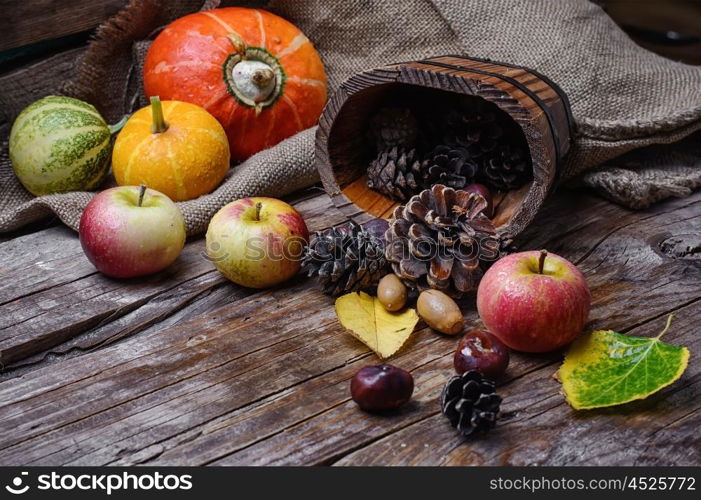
(537, 105)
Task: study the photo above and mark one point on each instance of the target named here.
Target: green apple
(257, 242)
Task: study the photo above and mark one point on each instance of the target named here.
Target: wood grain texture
(206, 373)
(23, 23)
(538, 107)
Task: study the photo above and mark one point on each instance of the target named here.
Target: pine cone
(508, 168)
(346, 258)
(393, 173)
(470, 403)
(492, 140)
(449, 166)
(439, 240)
(393, 127)
(476, 126)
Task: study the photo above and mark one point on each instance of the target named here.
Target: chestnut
(480, 350)
(381, 387)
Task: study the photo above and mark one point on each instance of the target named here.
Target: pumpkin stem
(259, 205)
(238, 43)
(159, 124)
(262, 77)
(142, 192)
(119, 125)
(253, 76)
(541, 261)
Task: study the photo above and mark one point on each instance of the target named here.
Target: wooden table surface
(186, 368)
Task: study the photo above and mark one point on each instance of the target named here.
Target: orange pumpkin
(255, 72)
(174, 147)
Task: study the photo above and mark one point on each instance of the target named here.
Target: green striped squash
(60, 144)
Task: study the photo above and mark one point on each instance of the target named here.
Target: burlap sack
(622, 96)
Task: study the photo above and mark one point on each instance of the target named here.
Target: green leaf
(605, 368)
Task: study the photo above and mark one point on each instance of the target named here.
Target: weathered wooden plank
(269, 318)
(250, 424)
(29, 22)
(428, 360)
(53, 294)
(48, 317)
(39, 261)
(122, 403)
(539, 428)
(188, 300)
(158, 423)
(220, 363)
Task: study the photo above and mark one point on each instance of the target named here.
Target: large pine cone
(452, 167)
(393, 127)
(347, 257)
(470, 402)
(507, 168)
(393, 173)
(440, 239)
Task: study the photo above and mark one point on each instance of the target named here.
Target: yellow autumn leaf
(368, 321)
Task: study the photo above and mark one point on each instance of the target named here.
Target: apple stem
(669, 322)
(541, 261)
(142, 192)
(159, 124)
(259, 205)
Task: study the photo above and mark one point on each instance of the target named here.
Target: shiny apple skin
(257, 253)
(534, 312)
(381, 388)
(124, 240)
(484, 191)
(480, 350)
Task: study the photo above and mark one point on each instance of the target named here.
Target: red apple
(482, 190)
(131, 231)
(534, 301)
(257, 242)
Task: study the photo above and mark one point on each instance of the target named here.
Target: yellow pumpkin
(174, 147)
